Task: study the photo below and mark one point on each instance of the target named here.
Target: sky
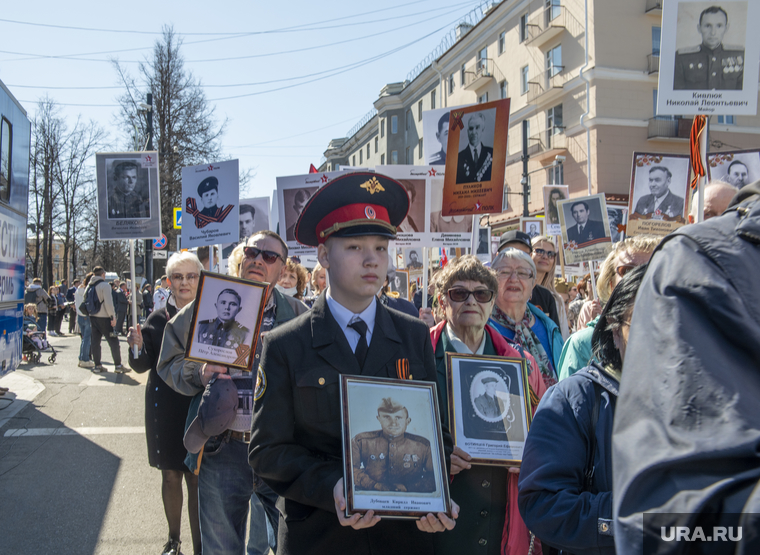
(296, 88)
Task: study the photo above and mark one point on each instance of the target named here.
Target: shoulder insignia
(261, 384)
(367, 435)
(733, 48)
(689, 50)
(418, 439)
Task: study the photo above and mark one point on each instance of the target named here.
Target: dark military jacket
(469, 170)
(392, 462)
(490, 407)
(438, 159)
(699, 68)
(210, 212)
(127, 205)
(230, 335)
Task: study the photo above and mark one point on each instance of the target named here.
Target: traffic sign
(159, 254)
(178, 218)
(159, 243)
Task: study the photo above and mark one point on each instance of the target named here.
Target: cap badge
(373, 186)
(370, 212)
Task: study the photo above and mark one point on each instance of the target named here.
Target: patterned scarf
(525, 337)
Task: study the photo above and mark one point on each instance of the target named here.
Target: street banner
(129, 205)
(253, 216)
(585, 228)
(435, 134)
(532, 226)
(658, 199)
(738, 167)
(708, 59)
(474, 180)
(425, 224)
(553, 194)
(210, 204)
(293, 193)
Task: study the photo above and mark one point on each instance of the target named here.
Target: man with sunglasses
(296, 434)
(227, 486)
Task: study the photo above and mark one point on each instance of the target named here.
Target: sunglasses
(460, 295)
(624, 269)
(270, 257)
(547, 254)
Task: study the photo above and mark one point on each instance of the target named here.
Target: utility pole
(524, 180)
(148, 243)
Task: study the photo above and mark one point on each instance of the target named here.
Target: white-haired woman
(165, 409)
(544, 255)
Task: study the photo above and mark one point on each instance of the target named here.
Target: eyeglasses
(521, 274)
(270, 257)
(547, 254)
(624, 269)
(177, 278)
(460, 295)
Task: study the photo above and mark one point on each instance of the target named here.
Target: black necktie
(361, 348)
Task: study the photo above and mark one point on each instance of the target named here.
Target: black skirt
(165, 415)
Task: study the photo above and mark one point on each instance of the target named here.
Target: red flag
(444, 258)
(312, 169)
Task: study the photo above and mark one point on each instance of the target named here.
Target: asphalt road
(74, 474)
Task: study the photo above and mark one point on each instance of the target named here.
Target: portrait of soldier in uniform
(208, 191)
(710, 65)
(224, 330)
(475, 160)
(300, 198)
(412, 260)
(442, 136)
(124, 196)
(737, 174)
(489, 404)
(661, 202)
(391, 459)
(491, 414)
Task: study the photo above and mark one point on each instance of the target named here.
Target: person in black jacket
(147, 297)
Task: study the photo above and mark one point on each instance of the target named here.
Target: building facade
(532, 51)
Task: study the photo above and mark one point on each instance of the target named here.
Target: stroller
(34, 343)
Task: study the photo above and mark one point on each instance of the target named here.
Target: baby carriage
(34, 343)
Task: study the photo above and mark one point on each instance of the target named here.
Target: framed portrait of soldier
(532, 226)
(226, 320)
(585, 228)
(552, 195)
(738, 168)
(658, 199)
(489, 407)
(129, 205)
(392, 448)
(708, 58)
(474, 179)
(399, 283)
(210, 194)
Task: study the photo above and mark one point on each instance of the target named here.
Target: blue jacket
(550, 496)
(555, 335)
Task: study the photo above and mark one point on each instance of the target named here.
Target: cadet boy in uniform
(710, 66)
(224, 330)
(296, 429)
(391, 459)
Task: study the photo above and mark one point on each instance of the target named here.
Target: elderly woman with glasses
(465, 290)
(544, 255)
(517, 319)
(165, 409)
(625, 256)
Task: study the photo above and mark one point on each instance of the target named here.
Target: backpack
(91, 301)
(30, 297)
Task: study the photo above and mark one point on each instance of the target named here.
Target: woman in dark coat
(166, 410)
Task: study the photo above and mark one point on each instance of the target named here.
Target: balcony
(548, 143)
(653, 63)
(479, 74)
(549, 23)
(653, 7)
(547, 86)
(664, 128)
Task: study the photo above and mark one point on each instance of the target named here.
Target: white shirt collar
(460, 345)
(344, 317)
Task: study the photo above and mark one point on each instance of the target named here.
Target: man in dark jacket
(121, 302)
(687, 428)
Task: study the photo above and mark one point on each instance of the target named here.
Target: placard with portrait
(585, 228)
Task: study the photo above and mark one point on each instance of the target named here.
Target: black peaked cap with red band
(351, 205)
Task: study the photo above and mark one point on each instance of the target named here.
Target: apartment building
(532, 52)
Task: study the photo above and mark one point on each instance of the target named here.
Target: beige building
(532, 52)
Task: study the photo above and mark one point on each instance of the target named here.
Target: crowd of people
(262, 467)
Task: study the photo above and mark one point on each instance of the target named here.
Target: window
(503, 90)
(554, 61)
(523, 27)
(451, 84)
(353, 160)
(394, 156)
(419, 149)
(382, 127)
(409, 155)
(432, 99)
(419, 111)
(553, 11)
(727, 120)
(6, 145)
(368, 150)
(482, 57)
(382, 159)
(461, 76)
(394, 124)
(361, 159)
(656, 35)
(554, 120)
(555, 175)
(502, 41)
(408, 120)
(377, 143)
(483, 98)
(524, 80)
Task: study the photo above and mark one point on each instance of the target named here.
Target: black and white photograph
(482, 244)
(475, 156)
(658, 199)
(532, 226)
(399, 283)
(435, 131)
(618, 218)
(738, 168)
(705, 47)
(415, 218)
(445, 224)
(489, 407)
(226, 319)
(552, 195)
(210, 205)
(253, 216)
(585, 228)
(393, 448)
(128, 195)
(413, 258)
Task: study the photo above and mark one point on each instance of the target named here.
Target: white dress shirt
(460, 346)
(344, 317)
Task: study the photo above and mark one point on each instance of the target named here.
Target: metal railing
(663, 127)
(551, 17)
(653, 5)
(653, 63)
(483, 68)
(550, 79)
(362, 122)
(548, 139)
